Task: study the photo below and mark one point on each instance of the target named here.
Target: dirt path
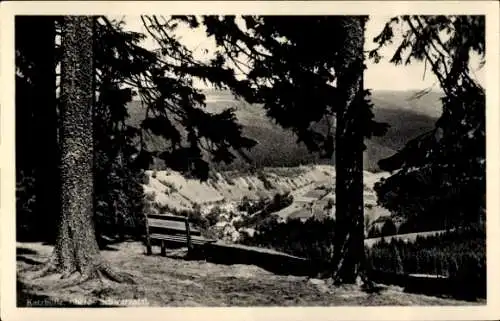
(174, 281)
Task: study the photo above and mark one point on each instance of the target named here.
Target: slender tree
(349, 67)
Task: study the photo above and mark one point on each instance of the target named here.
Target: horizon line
(433, 90)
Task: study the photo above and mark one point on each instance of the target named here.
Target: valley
(312, 188)
(280, 165)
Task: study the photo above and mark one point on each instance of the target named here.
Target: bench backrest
(170, 224)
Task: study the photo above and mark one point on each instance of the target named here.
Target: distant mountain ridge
(407, 116)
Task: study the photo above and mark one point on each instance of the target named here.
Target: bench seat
(198, 240)
(169, 228)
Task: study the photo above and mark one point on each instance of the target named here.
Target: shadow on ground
(224, 278)
(289, 265)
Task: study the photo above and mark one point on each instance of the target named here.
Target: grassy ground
(175, 281)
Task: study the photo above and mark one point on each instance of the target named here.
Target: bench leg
(193, 253)
(201, 252)
(149, 251)
(163, 252)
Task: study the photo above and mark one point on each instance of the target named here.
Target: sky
(381, 76)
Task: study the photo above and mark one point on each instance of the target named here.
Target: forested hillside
(407, 115)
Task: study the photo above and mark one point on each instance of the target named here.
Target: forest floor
(175, 281)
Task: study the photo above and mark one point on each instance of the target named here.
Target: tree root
(78, 279)
(40, 270)
(68, 278)
(109, 273)
(69, 274)
(100, 272)
(335, 275)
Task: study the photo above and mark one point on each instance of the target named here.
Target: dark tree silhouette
(292, 76)
(389, 228)
(349, 245)
(46, 126)
(441, 174)
(36, 125)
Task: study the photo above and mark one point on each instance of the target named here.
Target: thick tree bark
(349, 244)
(76, 245)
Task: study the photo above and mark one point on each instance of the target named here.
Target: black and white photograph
(250, 159)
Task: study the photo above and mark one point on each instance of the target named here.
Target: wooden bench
(172, 229)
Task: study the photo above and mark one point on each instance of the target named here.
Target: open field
(305, 183)
(312, 200)
(174, 281)
(172, 189)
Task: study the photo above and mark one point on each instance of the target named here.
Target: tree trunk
(349, 244)
(76, 244)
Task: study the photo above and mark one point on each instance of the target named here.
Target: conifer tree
(291, 70)
(440, 175)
